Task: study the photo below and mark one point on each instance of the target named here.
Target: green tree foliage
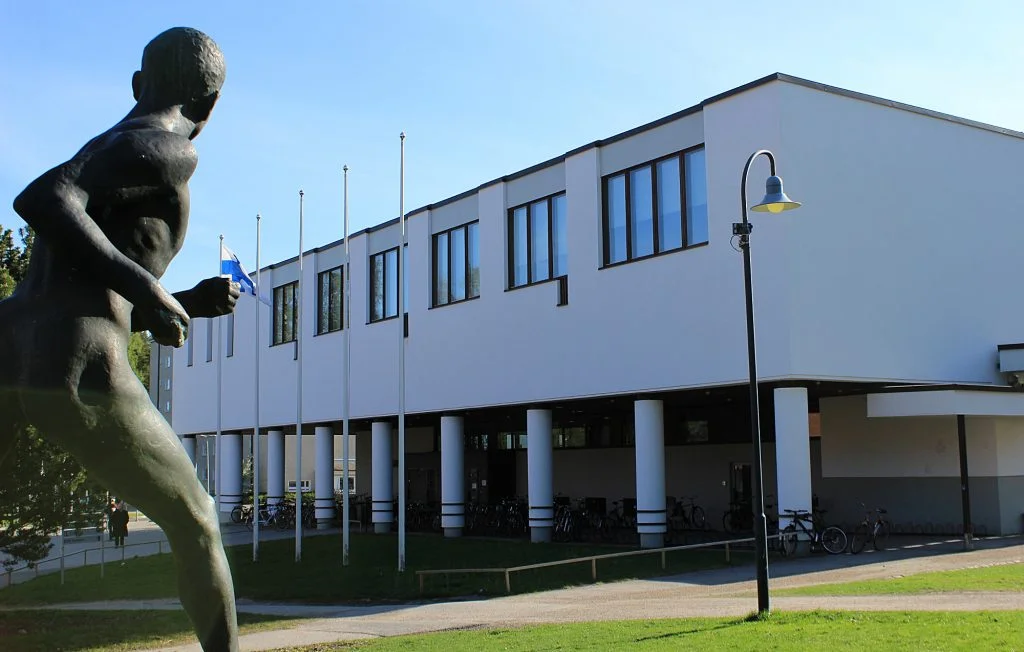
(42, 488)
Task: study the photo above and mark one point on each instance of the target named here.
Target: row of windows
(650, 209)
(656, 207)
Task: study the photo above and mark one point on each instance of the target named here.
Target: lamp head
(775, 200)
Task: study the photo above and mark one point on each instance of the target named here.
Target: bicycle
(876, 531)
(690, 513)
(832, 539)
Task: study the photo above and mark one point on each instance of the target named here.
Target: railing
(9, 574)
(593, 559)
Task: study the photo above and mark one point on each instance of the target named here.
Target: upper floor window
(538, 250)
(229, 343)
(656, 207)
(384, 271)
(457, 264)
(329, 301)
(285, 313)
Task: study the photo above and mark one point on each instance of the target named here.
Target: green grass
(107, 631)
(1006, 577)
(371, 576)
(889, 631)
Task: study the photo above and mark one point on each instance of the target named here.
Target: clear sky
(482, 88)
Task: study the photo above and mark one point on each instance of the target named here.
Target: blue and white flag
(231, 267)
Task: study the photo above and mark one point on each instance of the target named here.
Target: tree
(43, 488)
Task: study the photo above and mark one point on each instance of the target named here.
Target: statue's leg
(124, 441)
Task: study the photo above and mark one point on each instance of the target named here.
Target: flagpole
(401, 364)
(346, 402)
(256, 414)
(217, 441)
(297, 311)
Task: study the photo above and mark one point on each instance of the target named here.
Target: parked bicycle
(832, 539)
(873, 528)
(688, 514)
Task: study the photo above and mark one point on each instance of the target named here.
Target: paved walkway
(724, 592)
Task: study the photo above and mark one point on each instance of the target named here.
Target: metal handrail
(85, 552)
(593, 559)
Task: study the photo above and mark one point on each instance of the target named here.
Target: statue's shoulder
(143, 152)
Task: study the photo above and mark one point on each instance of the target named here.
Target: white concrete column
(540, 475)
(275, 467)
(453, 476)
(382, 498)
(792, 451)
(230, 468)
(323, 476)
(189, 443)
(649, 422)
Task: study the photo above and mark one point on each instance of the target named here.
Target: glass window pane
(641, 207)
(474, 259)
(391, 278)
(441, 269)
(670, 218)
(324, 301)
(616, 235)
(288, 328)
(377, 288)
(405, 281)
(519, 246)
(696, 198)
(230, 344)
(278, 315)
(539, 246)
(336, 299)
(559, 245)
(458, 264)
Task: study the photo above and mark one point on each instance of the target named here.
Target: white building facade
(578, 328)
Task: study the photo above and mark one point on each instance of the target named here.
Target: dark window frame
(398, 272)
(626, 173)
(511, 253)
(278, 295)
(326, 274)
(451, 280)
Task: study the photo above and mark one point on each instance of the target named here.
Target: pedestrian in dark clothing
(119, 524)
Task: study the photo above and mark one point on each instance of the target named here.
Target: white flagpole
(346, 402)
(401, 365)
(297, 311)
(256, 414)
(217, 462)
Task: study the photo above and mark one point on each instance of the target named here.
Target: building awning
(946, 400)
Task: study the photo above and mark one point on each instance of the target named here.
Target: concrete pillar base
(381, 528)
(325, 524)
(540, 534)
(652, 540)
(452, 532)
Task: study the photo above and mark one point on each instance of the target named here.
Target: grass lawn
(107, 631)
(889, 631)
(1005, 577)
(371, 576)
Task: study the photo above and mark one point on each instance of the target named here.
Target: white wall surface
(853, 445)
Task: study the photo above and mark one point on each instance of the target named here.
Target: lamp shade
(775, 200)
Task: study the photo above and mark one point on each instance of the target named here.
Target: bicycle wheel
(728, 523)
(697, 518)
(860, 539)
(236, 514)
(787, 540)
(882, 535)
(833, 540)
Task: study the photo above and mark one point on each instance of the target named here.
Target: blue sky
(481, 88)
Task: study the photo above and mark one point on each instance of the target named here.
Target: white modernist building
(578, 328)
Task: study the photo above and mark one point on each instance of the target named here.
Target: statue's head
(181, 66)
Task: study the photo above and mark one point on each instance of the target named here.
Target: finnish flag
(231, 267)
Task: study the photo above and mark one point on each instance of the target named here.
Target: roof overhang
(921, 402)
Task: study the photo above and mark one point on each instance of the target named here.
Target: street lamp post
(775, 201)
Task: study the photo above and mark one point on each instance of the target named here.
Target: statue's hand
(213, 297)
(169, 323)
